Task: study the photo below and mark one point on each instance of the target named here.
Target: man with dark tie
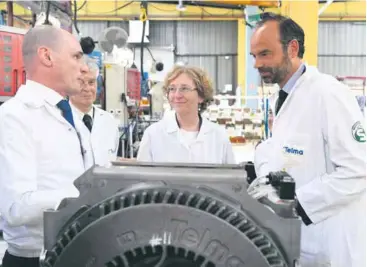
(40, 148)
(318, 137)
(102, 128)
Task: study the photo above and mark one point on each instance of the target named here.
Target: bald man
(41, 152)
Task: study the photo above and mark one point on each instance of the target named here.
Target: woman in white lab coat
(183, 135)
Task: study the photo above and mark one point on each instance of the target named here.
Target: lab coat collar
(172, 126)
(36, 95)
(98, 112)
(309, 73)
(92, 112)
(292, 81)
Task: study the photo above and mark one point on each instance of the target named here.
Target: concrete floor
(241, 152)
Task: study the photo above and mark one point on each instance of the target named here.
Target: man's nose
(257, 63)
(84, 68)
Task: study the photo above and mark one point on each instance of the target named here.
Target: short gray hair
(92, 64)
(42, 35)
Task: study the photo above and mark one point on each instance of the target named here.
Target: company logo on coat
(293, 151)
(358, 132)
(292, 156)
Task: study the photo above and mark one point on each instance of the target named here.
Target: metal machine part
(268, 190)
(145, 215)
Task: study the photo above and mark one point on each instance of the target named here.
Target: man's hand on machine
(279, 183)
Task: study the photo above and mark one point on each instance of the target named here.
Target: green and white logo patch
(358, 132)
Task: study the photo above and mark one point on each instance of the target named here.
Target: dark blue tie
(66, 111)
(282, 97)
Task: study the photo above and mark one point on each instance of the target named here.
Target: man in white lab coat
(319, 139)
(100, 126)
(40, 150)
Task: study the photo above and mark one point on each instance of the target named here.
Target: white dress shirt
(41, 156)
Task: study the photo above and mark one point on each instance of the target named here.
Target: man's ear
(293, 48)
(44, 56)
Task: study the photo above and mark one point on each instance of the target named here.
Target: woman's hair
(199, 77)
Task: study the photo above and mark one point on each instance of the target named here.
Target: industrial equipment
(113, 43)
(157, 100)
(122, 90)
(124, 87)
(12, 73)
(122, 93)
(60, 11)
(151, 214)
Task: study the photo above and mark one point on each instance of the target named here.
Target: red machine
(133, 84)
(12, 73)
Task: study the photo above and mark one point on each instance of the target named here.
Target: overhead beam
(243, 3)
(337, 11)
(324, 7)
(232, 4)
(109, 10)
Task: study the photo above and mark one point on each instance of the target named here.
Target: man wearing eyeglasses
(319, 139)
(101, 127)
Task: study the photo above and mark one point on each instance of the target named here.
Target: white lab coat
(103, 141)
(161, 143)
(40, 157)
(313, 141)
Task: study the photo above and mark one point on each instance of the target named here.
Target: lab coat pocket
(295, 151)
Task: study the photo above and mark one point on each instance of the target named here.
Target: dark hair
(289, 30)
(87, 44)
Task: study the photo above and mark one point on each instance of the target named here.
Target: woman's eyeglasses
(181, 90)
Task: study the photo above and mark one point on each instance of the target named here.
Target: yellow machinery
(231, 4)
(244, 3)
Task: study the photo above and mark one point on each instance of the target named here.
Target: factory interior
(136, 44)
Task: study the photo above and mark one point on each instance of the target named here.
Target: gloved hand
(262, 190)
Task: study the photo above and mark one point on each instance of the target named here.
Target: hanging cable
(75, 17)
(150, 52)
(80, 8)
(143, 18)
(34, 19)
(48, 7)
